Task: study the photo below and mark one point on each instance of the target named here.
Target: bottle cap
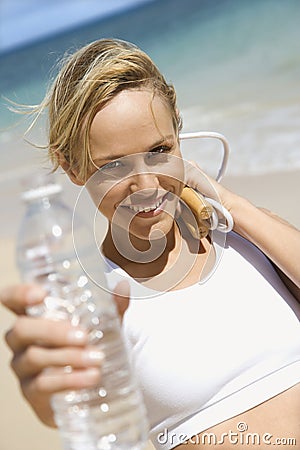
(40, 192)
(39, 185)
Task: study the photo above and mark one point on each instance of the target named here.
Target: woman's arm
(279, 240)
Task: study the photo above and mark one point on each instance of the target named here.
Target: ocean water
(235, 65)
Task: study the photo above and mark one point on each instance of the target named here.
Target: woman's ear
(65, 165)
(179, 122)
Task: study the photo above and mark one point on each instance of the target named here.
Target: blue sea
(235, 65)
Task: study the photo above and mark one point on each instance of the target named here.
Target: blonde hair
(89, 79)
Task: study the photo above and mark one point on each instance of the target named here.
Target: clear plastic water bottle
(112, 415)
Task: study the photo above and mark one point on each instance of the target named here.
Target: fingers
(36, 359)
(209, 187)
(57, 380)
(18, 298)
(122, 297)
(49, 356)
(39, 389)
(199, 180)
(49, 333)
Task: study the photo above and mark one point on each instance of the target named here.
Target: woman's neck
(184, 261)
(129, 251)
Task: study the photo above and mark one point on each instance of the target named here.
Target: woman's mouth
(149, 210)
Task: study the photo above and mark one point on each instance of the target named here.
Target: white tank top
(208, 352)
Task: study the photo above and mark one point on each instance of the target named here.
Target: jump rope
(209, 214)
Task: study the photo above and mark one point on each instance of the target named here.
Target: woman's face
(140, 176)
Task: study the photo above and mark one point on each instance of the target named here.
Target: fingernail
(93, 356)
(76, 336)
(35, 294)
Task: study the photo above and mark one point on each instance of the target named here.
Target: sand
(278, 192)
(20, 429)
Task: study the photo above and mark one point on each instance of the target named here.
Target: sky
(24, 21)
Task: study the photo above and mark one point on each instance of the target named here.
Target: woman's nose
(144, 180)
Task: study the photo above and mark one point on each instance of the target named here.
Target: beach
(275, 191)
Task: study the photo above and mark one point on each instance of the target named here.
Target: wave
(263, 138)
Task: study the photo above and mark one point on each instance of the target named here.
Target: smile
(149, 210)
(139, 208)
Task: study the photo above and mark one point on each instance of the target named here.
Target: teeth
(139, 209)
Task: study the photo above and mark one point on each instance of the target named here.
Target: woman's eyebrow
(110, 157)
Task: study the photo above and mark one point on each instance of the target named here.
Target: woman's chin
(153, 232)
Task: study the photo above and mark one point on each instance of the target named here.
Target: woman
(208, 355)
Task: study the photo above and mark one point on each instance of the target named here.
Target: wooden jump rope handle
(201, 210)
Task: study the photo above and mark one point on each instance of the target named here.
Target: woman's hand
(51, 356)
(209, 187)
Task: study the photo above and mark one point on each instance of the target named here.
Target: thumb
(121, 297)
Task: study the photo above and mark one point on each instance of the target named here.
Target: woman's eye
(111, 171)
(158, 154)
(158, 151)
(111, 165)
(161, 149)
